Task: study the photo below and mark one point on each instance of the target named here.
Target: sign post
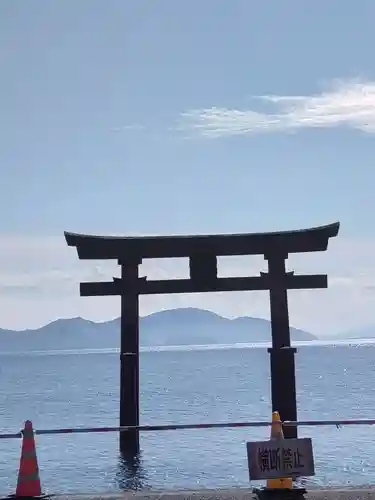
(280, 458)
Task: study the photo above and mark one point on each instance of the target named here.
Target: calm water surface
(81, 388)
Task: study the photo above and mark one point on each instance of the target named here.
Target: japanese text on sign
(280, 458)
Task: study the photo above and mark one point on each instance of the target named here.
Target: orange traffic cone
(277, 433)
(28, 484)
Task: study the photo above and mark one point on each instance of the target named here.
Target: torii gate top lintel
(151, 247)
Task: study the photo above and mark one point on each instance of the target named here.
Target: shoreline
(326, 493)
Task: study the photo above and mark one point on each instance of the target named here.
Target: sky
(185, 118)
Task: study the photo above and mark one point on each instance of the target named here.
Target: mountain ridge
(181, 326)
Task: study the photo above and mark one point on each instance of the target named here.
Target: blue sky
(185, 117)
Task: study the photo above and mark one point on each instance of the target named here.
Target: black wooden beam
(151, 247)
(160, 287)
(129, 360)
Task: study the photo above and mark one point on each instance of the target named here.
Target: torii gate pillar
(129, 355)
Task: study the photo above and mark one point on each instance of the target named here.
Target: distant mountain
(171, 327)
(367, 332)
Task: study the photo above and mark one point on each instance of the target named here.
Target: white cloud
(350, 104)
(39, 282)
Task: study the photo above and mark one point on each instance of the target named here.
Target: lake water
(81, 388)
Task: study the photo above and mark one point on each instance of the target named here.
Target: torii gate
(202, 251)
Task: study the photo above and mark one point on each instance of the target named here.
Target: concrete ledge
(221, 494)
